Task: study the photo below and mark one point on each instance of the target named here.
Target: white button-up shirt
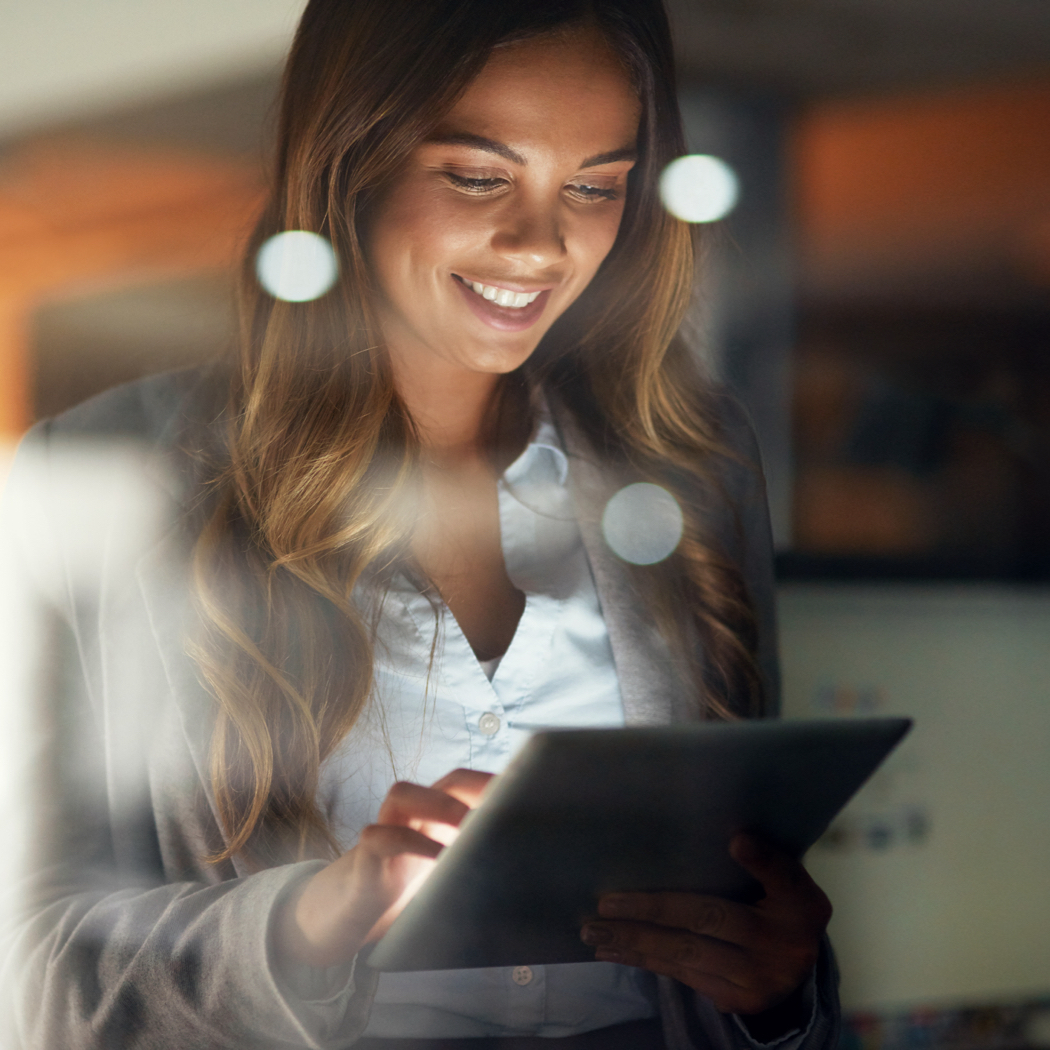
(435, 709)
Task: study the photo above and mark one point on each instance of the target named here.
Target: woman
(387, 564)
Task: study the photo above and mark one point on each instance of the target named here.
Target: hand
(746, 959)
(353, 900)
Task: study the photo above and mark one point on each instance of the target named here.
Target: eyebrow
(501, 150)
(624, 153)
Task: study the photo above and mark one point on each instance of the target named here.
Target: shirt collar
(543, 454)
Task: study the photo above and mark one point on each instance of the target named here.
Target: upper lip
(510, 286)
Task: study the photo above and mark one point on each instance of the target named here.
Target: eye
(473, 184)
(585, 191)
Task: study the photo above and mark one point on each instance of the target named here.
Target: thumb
(779, 872)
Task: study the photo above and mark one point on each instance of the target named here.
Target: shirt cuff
(324, 993)
(319, 985)
(793, 1039)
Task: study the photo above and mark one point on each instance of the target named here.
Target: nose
(530, 233)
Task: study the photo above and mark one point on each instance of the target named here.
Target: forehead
(555, 90)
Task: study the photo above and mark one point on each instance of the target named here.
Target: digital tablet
(580, 813)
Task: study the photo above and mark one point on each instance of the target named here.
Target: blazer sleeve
(690, 1020)
(98, 949)
(692, 1023)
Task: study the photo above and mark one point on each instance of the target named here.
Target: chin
(499, 362)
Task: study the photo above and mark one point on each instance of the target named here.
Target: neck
(450, 408)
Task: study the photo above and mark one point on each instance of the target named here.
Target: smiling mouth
(504, 309)
(500, 296)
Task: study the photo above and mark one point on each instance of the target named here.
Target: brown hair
(321, 449)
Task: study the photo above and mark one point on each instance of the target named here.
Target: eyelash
(481, 186)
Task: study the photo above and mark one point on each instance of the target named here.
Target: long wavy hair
(309, 500)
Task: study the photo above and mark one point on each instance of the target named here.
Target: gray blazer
(123, 935)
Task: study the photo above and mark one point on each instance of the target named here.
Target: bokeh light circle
(642, 523)
(296, 266)
(699, 188)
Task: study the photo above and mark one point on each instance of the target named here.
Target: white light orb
(699, 188)
(296, 266)
(642, 523)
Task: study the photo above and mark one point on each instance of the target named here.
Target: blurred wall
(940, 867)
(62, 59)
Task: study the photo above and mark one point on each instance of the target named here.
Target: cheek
(383, 244)
(417, 237)
(596, 238)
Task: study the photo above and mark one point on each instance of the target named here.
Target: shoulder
(738, 459)
(153, 412)
(154, 435)
(724, 485)
(735, 429)
(726, 420)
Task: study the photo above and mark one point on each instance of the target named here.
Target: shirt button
(489, 724)
(522, 975)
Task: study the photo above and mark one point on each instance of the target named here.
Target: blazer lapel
(161, 574)
(186, 416)
(650, 682)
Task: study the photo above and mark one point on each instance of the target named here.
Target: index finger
(698, 913)
(412, 805)
(465, 784)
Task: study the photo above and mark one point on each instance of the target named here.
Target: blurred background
(878, 297)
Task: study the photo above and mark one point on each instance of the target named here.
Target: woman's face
(500, 220)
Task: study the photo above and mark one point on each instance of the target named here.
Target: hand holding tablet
(746, 958)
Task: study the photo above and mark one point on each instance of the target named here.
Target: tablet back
(580, 813)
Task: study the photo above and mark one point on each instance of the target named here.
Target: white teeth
(503, 296)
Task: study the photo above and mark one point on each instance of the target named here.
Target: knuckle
(646, 907)
(709, 917)
(371, 835)
(687, 951)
